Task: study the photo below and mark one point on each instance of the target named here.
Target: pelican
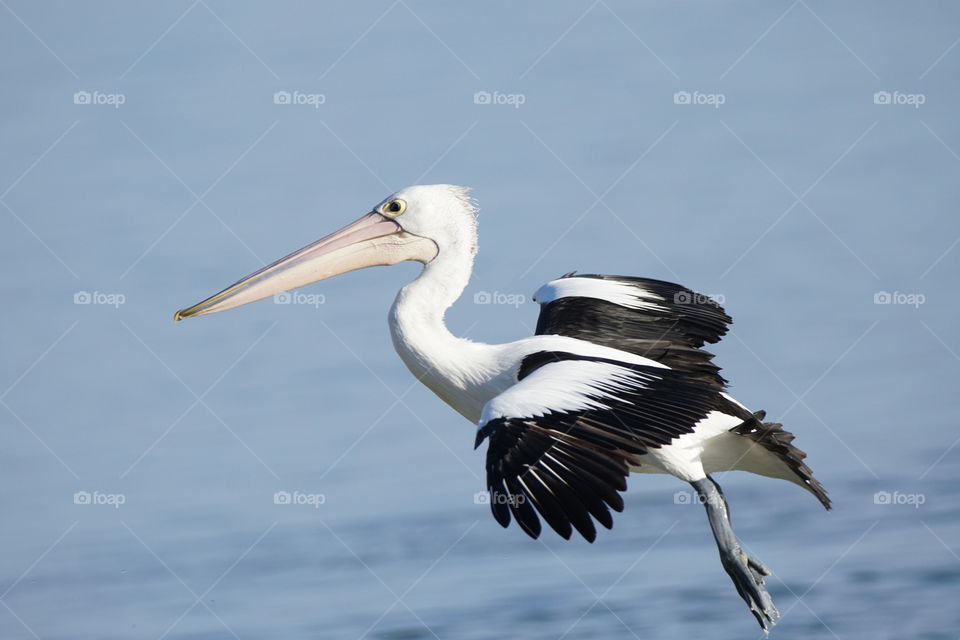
(614, 382)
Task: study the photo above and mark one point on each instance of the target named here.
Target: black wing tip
(818, 491)
(500, 515)
(825, 501)
(580, 482)
(533, 532)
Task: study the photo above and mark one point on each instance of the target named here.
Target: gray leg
(747, 573)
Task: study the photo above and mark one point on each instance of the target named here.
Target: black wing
(562, 440)
(659, 320)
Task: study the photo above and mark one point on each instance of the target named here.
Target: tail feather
(775, 439)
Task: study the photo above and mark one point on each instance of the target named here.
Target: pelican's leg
(747, 573)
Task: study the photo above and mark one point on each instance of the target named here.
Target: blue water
(798, 199)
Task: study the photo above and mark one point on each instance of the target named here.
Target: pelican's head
(417, 223)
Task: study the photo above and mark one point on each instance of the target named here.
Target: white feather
(561, 387)
(621, 293)
(683, 457)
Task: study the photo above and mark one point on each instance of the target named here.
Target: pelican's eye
(394, 208)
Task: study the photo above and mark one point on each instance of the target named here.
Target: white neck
(456, 369)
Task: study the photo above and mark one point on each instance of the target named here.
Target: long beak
(373, 240)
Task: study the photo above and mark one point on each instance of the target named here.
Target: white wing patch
(625, 295)
(683, 456)
(560, 387)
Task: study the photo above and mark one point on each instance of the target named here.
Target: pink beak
(373, 240)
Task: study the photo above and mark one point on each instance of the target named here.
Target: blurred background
(276, 472)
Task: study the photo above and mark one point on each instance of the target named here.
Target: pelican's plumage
(614, 381)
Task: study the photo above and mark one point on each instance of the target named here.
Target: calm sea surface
(799, 160)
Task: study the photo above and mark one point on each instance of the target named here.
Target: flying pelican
(614, 381)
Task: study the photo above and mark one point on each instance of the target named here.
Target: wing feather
(567, 465)
(659, 320)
